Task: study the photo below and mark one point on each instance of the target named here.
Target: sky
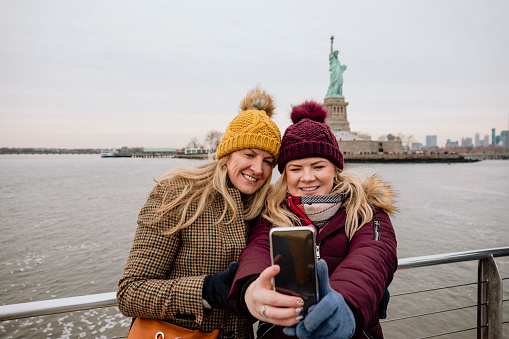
(107, 74)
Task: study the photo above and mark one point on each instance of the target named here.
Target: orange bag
(157, 329)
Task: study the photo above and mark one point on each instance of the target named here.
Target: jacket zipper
(376, 230)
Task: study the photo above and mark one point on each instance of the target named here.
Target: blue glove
(330, 318)
(216, 288)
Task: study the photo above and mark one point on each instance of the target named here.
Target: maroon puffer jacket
(360, 269)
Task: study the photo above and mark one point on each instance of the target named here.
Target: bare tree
(193, 143)
(213, 139)
(406, 140)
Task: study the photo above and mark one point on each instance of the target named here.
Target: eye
(294, 169)
(249, 155)
(270, 162)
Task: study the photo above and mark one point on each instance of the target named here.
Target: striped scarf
(316, 209)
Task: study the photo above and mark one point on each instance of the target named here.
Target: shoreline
(348, 158)
(407, 158)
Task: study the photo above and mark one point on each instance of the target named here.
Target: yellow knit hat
(252, 127)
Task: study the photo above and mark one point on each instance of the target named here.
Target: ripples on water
(68, 223)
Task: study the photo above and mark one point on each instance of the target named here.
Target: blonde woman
(355, 238)
(194, 226)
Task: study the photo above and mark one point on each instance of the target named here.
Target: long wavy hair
(358, 208)
(198, 185)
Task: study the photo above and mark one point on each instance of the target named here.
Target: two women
(355, 238)
(193, 227)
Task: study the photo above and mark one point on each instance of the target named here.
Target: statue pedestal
(336, 117)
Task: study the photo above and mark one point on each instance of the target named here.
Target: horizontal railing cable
(437, 288)
(430, 313)
(447, 333)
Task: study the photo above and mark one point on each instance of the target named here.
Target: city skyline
(487, 139)
(111, 74)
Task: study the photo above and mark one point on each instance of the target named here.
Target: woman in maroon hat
(353, 232)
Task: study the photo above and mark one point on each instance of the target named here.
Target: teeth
(309, 188)
(249, 178)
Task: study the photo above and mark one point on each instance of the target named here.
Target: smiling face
(249, 169)
(310, 176)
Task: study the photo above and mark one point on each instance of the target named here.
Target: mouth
(250, 178)
(309, 188)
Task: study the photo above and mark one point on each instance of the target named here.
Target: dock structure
(191, 153)
(487, 156)
(407, 158)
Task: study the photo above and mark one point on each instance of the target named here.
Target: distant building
(451, 144)
(416, 146)
(486, 140)
(466, 142)
(477, 140)
(504, 136)
(431, 141)
(189, 151)
(493, 137)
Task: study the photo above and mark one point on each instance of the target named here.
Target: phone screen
(293, 249)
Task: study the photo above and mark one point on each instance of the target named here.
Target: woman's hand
(270, 306)
(330, 318)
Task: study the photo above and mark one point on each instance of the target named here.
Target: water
(67, 223)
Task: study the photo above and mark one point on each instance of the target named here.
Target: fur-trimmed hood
(380, 194)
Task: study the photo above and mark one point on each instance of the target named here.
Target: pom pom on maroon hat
(308, 109)
(309, 136)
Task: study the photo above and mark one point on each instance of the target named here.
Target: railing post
(489, 297)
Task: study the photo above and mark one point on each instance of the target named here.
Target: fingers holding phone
(294, 250)
(265, 304)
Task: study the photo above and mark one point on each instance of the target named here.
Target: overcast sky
(104, 74)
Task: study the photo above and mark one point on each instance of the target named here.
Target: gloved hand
(216, 288)
(330, 317)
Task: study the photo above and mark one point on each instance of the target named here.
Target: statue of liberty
(336, 74)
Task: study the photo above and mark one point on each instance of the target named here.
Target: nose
(307, 175)
(257, 166)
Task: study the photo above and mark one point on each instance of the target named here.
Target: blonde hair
(198, 185)
(358, 209)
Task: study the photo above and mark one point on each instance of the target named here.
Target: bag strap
(221, 330)
(224, 324)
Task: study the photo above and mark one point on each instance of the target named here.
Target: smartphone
(294, 250)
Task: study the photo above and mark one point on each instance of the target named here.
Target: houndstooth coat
(163, 277)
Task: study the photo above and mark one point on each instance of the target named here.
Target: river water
(67, 223)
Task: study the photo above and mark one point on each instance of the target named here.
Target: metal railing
(489, 289)
(489, 293)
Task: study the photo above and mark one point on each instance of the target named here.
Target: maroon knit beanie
(309, 136)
